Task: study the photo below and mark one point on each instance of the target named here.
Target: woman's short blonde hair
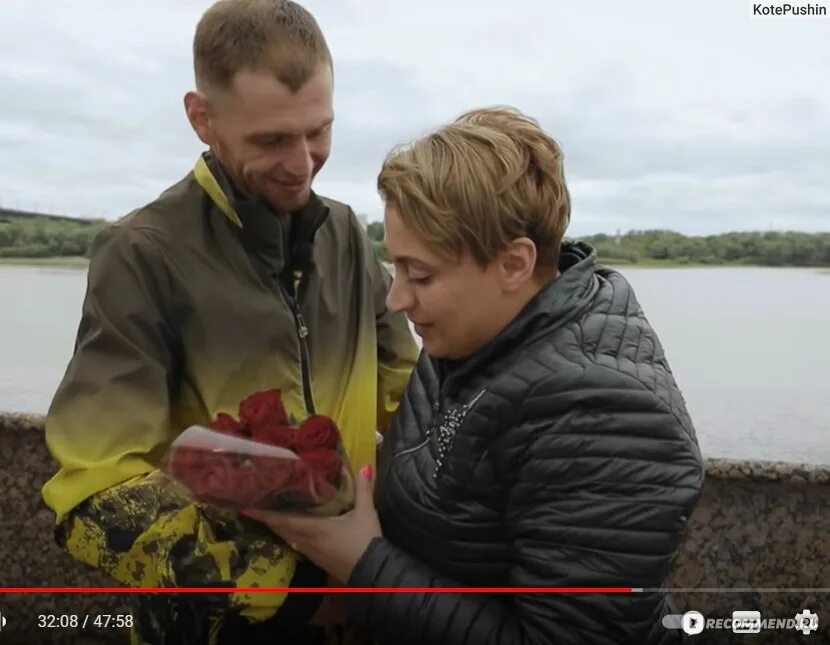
(478, 183)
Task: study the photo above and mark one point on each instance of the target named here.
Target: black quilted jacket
(561, 454)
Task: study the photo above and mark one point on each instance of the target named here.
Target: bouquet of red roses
(263, 461)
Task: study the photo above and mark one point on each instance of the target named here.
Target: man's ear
(197, 108)
(518, 263)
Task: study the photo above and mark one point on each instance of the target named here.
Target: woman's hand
(334, 544)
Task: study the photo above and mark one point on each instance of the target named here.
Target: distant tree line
(41, 236)
(38, 236)
(667, 247)
(773, 248)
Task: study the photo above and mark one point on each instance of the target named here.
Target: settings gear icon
(806, 622)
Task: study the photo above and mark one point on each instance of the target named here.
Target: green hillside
(667, 248)
(32, 235)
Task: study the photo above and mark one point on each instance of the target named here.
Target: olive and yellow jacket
(193, 302)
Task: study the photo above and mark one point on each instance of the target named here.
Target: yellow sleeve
(397, 350)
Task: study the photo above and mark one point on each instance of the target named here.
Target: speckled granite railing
(758, 525)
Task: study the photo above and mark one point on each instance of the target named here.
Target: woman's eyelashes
(419, 279)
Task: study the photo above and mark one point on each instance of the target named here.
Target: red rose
(275, 474)
(184, 462)
(325, 464)
(276, 435)
(305, 484)
(246, 491)
(317, 432)
(263, 408)
(214, 478)
(226, 424)
(286, 481)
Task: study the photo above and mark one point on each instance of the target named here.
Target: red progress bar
(92, 590)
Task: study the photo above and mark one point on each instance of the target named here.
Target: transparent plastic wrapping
(264, 460)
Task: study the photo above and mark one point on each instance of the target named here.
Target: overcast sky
(694, 116)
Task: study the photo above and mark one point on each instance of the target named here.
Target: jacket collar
(556, 304)
(261, 229)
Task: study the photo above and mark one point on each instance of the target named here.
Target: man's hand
(334, 544)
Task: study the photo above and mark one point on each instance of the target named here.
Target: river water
(750, 348)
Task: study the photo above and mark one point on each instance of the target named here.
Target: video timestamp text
(84, 621)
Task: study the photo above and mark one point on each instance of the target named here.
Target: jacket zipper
(408, 451)
(302, 335)
(436, 408)
(300, 325)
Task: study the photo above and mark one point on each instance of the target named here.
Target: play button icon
(693, 622)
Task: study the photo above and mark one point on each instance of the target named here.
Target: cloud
(694, 117)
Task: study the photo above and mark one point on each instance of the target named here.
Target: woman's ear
(518, 263)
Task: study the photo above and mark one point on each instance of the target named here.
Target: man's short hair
(487, 178)
(279, 36)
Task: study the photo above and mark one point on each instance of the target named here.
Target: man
(237, 279)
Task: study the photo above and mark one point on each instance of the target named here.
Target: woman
(542, 441)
